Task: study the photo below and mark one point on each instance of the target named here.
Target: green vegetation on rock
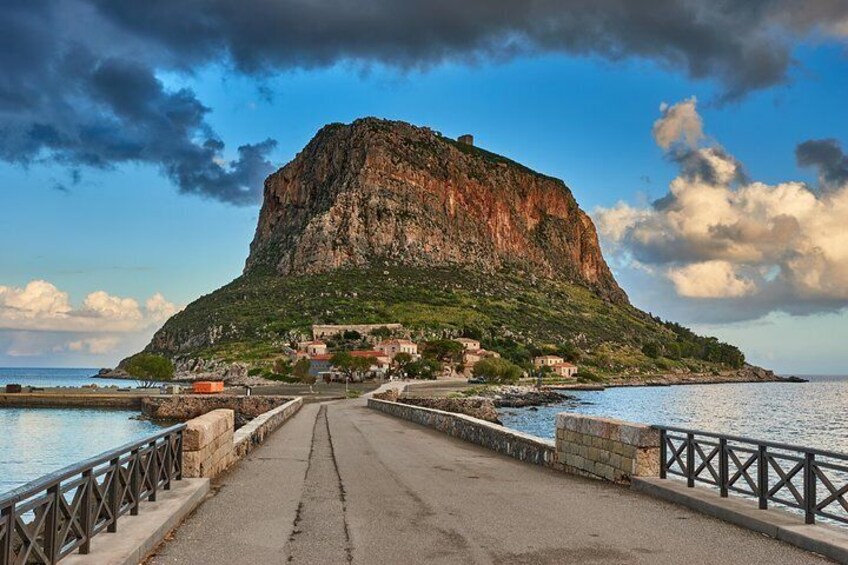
(251, 318)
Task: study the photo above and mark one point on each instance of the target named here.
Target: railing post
(135, 481)
(809, 488)
(51, 525)
(114, 493)
(179, 455)
(690, 460)
(86, 511)
(762, 476)
(663, 454)
(723, 467)
(153, 471)
(7, 517)
(169, 469)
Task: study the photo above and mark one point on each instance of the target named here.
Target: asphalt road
(340, 483)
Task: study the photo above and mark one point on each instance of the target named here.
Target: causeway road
(340, 484)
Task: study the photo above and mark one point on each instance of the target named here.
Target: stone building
(392, 347)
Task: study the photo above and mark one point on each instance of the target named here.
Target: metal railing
(813, 481)
(51, 517)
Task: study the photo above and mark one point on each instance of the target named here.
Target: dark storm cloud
(72, 99)
(80, 79)
(827, 157)
(746, 45)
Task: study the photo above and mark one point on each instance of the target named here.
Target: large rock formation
(377, 192)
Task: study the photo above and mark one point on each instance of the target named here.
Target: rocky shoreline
(482, 403)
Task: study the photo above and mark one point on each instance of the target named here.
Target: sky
(707, 140)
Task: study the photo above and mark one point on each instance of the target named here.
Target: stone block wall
(208, 444)
(523, 447)
(187, 406)
(607, 449)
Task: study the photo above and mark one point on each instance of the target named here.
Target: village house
(392, 347)
(320, 364)
(469, 357)
(314, 347)
(468, 343)
(547, 360)
(565, 369)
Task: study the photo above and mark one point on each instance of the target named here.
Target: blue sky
(128, 231)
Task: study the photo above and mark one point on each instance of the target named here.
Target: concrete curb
(138, 535)
(826, 540)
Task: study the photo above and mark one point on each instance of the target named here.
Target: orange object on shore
(208, 387)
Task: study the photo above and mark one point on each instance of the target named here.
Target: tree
(361, 365)
(540, 373)
(149, 369)
(301, 372)
(652, 349)
(496, 370)
(444, 350)
(382, 332)
(400, 364)
(343, 361)
(282, 366)
(424, 368)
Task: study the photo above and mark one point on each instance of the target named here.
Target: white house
(547, 361)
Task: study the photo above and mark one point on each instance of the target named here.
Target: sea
(812, 414)
(38, 441)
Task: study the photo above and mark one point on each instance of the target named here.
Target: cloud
(679, 123)
(40, 306)
(81, 80)
(710, 279)
(750, 246)
(95, 345)
(827, 157)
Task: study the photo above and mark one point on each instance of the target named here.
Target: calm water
(56, 377)
(813, 414)
(37, 441)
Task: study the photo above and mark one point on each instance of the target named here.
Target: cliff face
(377, 193)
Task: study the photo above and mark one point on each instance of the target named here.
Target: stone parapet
(187, 406)
(605, 448)
(524, 447)
(254, 432)
(208, 444)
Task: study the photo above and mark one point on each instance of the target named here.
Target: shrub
(495, 370)
(587, 375)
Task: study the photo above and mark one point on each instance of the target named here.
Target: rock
(520, 396)
(376, 190)
(480, 408)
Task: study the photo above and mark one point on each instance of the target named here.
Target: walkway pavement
(340, 483)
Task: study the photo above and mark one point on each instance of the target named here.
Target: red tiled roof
(367, 353)
(565, 364)
(321, 357)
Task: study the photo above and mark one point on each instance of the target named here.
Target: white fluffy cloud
(40, 306)
(710, 279)
(719, 235)
(39, 320)
(680, 122)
